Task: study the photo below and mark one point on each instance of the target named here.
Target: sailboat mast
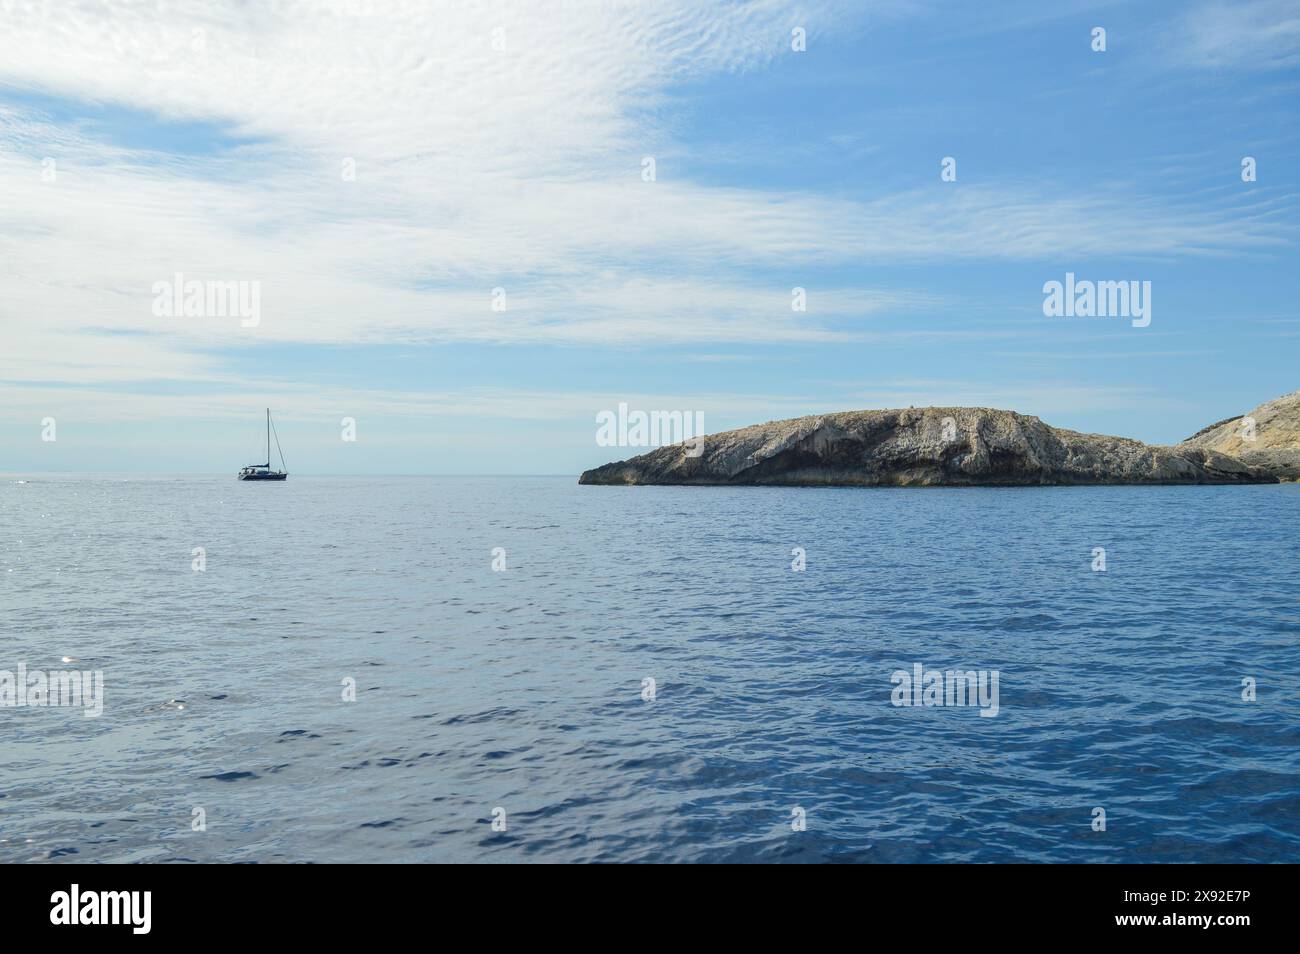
(268, 438)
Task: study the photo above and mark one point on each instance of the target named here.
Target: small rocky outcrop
(1267, 438)
(933, 446)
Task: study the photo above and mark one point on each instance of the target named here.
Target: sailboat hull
(263, 476)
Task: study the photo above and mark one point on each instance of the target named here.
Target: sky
(457, 242)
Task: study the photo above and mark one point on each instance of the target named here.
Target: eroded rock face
(1267, 437)
(956, 446)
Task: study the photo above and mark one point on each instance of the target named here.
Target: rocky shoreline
(963, 446)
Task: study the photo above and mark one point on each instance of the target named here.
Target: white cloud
(1245, 34)
(476, 168)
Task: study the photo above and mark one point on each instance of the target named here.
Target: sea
(522, 669)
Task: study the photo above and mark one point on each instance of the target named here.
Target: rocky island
(1267, 438)
(964, 446)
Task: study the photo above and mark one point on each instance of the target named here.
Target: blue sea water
(522, 689)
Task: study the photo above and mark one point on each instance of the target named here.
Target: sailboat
(264, 471)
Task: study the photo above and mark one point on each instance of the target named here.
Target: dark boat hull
(263, 476)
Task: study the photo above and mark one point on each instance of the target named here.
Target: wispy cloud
(477, 167)
(1241, 34)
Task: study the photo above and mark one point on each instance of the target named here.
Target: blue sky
(502, 148)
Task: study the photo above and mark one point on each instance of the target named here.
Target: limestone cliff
(955, 446)
(1267, 437)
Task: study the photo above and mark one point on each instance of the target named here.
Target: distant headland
(967, 446)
